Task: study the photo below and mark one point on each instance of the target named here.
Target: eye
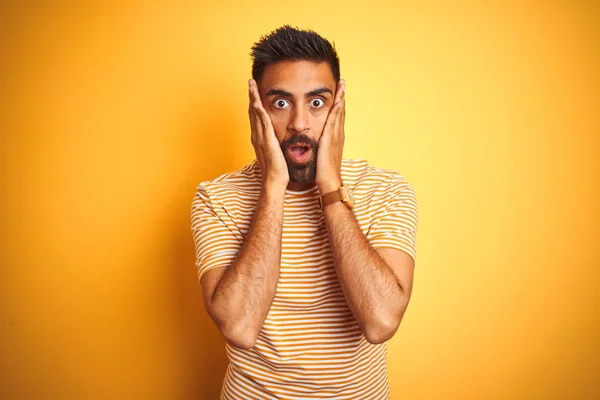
(280, 103)
(317, 103)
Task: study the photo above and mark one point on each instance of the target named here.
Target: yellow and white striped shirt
(310, 345)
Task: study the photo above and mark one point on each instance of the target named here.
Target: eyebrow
(284, 93)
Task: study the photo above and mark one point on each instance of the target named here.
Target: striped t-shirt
(310, 345)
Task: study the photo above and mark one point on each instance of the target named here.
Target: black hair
(292, 44)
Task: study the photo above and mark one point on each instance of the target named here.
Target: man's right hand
(266, 146)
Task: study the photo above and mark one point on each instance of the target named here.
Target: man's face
(298, 95)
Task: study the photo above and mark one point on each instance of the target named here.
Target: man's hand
(266, 146)
(331, 145)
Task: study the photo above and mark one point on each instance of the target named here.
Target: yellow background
(111, 114)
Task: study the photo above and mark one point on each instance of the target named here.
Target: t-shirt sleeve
(216, 245)
(395, 223)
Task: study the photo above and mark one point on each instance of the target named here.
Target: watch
(340, 194)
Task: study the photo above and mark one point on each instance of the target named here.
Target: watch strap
(331, 197)
(335, 196)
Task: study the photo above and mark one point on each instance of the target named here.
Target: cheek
(319, 120)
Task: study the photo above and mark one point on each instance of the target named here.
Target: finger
(337, 99)
(258, 111)
(254, 92)
(264, 117)
(249, 95)
(331, 120)
(339, 116)
(250, 101)
(342, 114)
(256, 101)
(252, 113)
(259, 124)
(256, 116)
(340, 90)
(263, 125)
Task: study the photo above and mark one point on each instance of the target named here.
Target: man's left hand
(331, 144)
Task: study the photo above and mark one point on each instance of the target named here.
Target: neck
(297, 186)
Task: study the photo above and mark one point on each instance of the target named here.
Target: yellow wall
(111, 114)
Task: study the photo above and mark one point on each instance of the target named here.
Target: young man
(305, 258)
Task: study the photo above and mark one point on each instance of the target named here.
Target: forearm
(370, 287)
(246, 290)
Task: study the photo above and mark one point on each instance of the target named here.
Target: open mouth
(299, 152)
(299, 149)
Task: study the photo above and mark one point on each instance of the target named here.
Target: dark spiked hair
(292, 44)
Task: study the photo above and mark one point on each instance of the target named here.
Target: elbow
(241, 338)
(382, 331)
(241, 343)
(378, 336)
(384, 327)
(233, 331)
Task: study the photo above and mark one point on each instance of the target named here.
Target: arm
(376, 283)
(239, 297)
(376, 294)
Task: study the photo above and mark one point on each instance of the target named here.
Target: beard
(301, 172)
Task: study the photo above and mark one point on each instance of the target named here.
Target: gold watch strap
(337, 195)
(330, 197)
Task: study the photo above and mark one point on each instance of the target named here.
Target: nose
(299, 122)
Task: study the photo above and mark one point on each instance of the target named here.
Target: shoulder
(242, 182)
(369, 179)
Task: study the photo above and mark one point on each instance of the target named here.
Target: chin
(302, 173)
(301, 180)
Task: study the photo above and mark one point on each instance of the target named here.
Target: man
(305, 258)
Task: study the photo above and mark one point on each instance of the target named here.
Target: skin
(284, 95)
(377, 284)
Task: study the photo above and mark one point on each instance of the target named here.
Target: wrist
(274, 188)
(330, 185)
